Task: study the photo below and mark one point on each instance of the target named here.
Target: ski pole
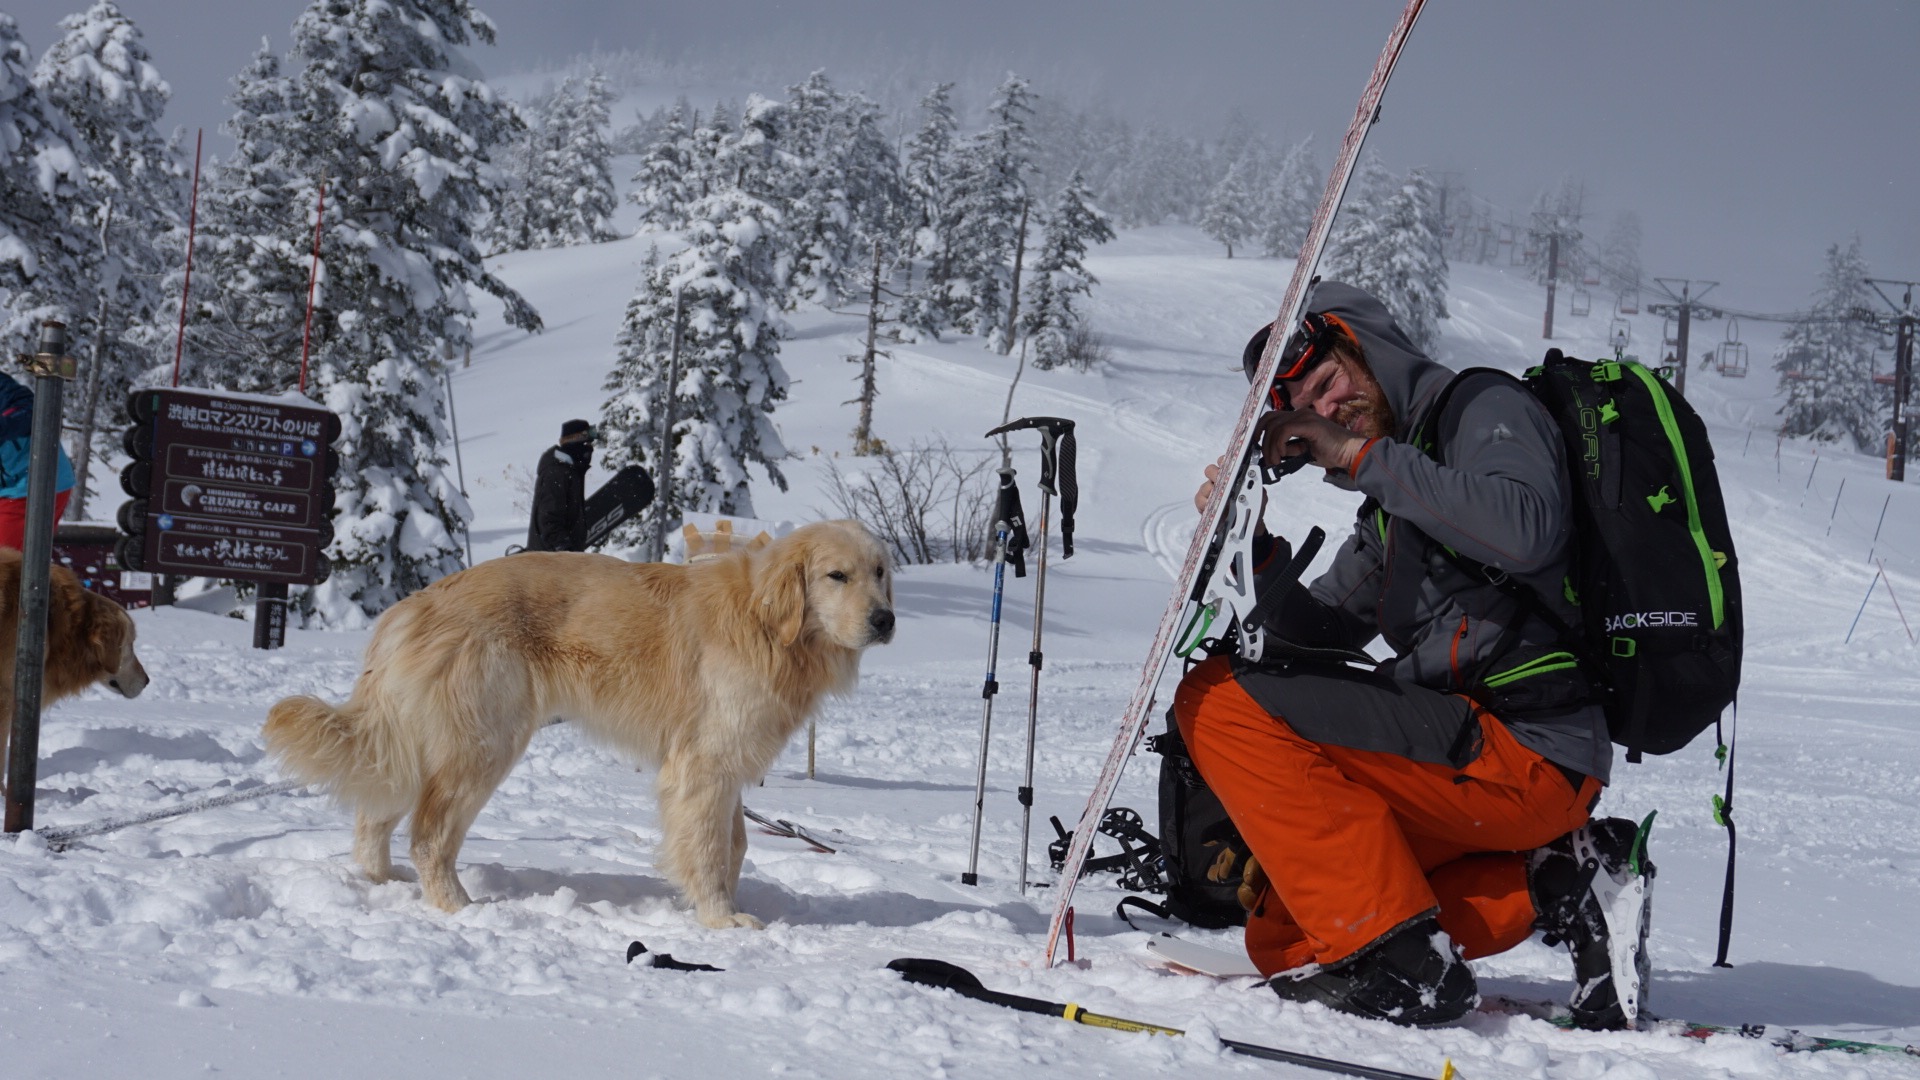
(1009, 542)
(942, 975)
(1057, 456)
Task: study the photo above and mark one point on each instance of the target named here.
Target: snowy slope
(241, 941)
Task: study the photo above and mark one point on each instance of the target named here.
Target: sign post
(232, 486)
(50, 367)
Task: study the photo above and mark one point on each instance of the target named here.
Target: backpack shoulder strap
(1436, 427)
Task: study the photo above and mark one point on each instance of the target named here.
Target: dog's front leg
(739, 851)
(705, 839)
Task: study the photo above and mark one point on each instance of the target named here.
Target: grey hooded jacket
(1499, 496)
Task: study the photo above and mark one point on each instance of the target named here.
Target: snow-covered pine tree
(1073, 224)
(729, 280)
(990, 201)
(568, 195)
(666, 183)
(101, 76)
(253, 245)
(44, 242)
(1620, 255)
(1292, 196)
(1825, 361)
(1231, 215)
(928, 178)
(395, 125)
(847, 189)
(1397, 254)
(1354, 238)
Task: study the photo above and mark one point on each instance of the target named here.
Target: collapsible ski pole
(1057, 454)
(1009, 542)
(942, 975)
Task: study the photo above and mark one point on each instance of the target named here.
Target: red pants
(1356, 843)
(13, 519)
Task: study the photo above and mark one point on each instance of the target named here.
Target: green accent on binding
(1609, 412)
(1539, 665)
(1715, 593)
(1639, 856)
(1204, 620)
(1566, 590)
(1661, 500)
(1719, 810)
(1625, 647)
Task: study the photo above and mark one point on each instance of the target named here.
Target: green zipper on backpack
(1539, 665)
(1714, 592)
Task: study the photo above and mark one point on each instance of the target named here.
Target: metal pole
(460, 469)
(663, 461)
(270, 615)
(1902, 382)
(186, 282)
(1680, 350)
(313, 280)
(1002, 531)
(83, 447)
(1553, 276)
(50, 367)
(1033, 685)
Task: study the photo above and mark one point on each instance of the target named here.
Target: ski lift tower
(1684, 306)
(1903, 321)
(1555, 230)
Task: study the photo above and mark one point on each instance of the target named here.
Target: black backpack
(1654, 573)
(1202, 853)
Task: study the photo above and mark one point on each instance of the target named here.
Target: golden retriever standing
(704, 670)
(89, 640)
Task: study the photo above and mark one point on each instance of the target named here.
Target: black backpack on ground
(1203, 854)
(1654, 573)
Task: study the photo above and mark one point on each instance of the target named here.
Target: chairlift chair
(1619, 334)
(1579, 303)
(1590, 278)
(1628, 303)
(1730, 359)
(1670, 333)
(1880, 379)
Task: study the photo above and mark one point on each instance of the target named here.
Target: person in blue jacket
(16, 449)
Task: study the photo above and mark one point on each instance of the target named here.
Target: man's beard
(1369, 414)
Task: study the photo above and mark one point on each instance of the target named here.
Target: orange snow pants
(1357, 835)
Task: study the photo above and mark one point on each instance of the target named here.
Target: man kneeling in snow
(1412, 817)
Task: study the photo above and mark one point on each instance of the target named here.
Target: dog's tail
(336, 749)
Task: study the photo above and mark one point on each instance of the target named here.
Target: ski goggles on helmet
(1318, 334)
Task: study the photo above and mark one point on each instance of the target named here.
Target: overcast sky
(1747, 135)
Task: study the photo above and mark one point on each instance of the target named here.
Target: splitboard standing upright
(1223, 542)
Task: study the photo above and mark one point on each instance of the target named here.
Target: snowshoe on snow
(1413, 976)
(1593, 889)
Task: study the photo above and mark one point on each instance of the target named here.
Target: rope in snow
(63, 838)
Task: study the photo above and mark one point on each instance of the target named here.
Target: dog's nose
(882, 623)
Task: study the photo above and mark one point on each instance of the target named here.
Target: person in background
(560, 491)
(16, 450)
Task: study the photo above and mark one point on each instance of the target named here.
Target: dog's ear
(106, 631)
(781, 595)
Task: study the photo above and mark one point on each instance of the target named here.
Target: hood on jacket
(13, 394)
(1406, 376)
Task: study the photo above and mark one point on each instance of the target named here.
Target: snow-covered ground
(242, 941)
